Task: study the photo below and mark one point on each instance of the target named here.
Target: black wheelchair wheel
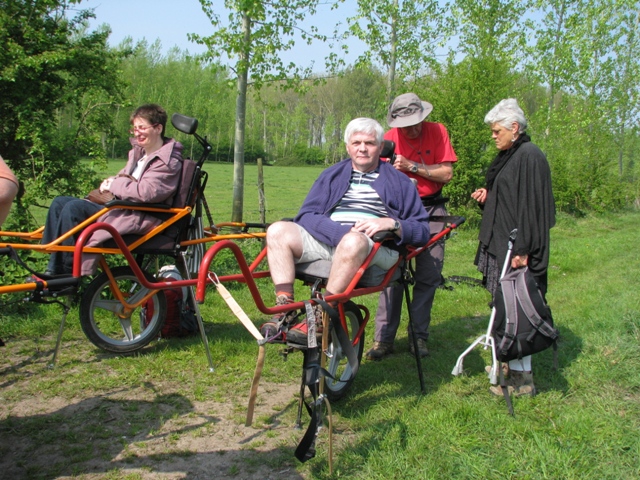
(337, 365)
(102, 318)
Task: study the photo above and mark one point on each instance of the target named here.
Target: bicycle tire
(99, 313)
(337, 387)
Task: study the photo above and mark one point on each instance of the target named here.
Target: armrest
(383, 236)
(127, 203)
(449, 219)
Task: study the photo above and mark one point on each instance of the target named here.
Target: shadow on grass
(396, 376)
(391, 388)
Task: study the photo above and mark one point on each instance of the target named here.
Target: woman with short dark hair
(151, 175)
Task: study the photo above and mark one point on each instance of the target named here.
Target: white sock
(523, 365)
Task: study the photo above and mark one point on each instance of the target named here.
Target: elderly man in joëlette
(349, 203)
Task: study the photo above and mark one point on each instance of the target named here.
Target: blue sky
(172, 20)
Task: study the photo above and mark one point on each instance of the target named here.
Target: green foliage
(303, 155)
(223, 152)
(490, 28)
(57, 82)
(256, 33)
(462, 94)
(586, 53)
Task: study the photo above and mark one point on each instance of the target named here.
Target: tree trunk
(553, 76)
(393, 45)
(241, 111)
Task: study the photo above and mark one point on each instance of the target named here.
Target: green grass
(583, 424)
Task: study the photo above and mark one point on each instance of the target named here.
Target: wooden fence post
(261, 197)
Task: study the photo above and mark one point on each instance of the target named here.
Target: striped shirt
(360, 201)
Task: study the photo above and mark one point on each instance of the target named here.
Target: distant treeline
(574, 67)
(594, 161)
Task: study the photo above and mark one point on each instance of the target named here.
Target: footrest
(55, 286)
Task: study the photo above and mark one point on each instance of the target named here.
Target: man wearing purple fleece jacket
(349, 203)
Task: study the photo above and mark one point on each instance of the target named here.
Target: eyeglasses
(142, 128)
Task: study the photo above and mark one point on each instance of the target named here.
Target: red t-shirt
(432, 147)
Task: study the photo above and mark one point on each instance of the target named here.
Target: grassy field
(161, 414)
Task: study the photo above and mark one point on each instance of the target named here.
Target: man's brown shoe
(379, 350)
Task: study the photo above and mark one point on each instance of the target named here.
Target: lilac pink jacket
(158, 184)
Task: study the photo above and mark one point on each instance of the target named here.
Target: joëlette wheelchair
(112, 304)
(329, 366)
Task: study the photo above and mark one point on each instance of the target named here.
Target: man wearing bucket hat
(424, 153)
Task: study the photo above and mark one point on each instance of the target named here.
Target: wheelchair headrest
(185, 124)
(183, 197)
(388, 150)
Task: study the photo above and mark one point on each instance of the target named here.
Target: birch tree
(253, 37)
(585, 54)
(401, 35)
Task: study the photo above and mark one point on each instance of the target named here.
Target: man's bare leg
(348, 257)
(284, 245)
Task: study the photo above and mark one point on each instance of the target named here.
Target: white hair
(505, 113)
(364, 125)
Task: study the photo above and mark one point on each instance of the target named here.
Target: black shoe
(270, 332)
(423, 351)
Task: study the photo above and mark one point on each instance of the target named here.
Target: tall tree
(490, 28)
(586, 54)
(624, 109)
(401, 35)
(463, 91)
(253, 37)
(552, 51)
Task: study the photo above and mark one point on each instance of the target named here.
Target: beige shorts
(312, 250)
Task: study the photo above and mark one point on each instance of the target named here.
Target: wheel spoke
(111, 305)
(338, 364)
(125, 323)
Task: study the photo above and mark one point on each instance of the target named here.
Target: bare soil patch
(149, 431)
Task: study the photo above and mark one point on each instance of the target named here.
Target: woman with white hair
(518, 195)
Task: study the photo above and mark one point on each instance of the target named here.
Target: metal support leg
(65, 311)
(407, 297)
(196, 308)
(301, 396)
(487, 340)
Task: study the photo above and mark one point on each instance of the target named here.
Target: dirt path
(151, 431)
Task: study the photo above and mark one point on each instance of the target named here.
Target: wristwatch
(396, 226)
(413, 168)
